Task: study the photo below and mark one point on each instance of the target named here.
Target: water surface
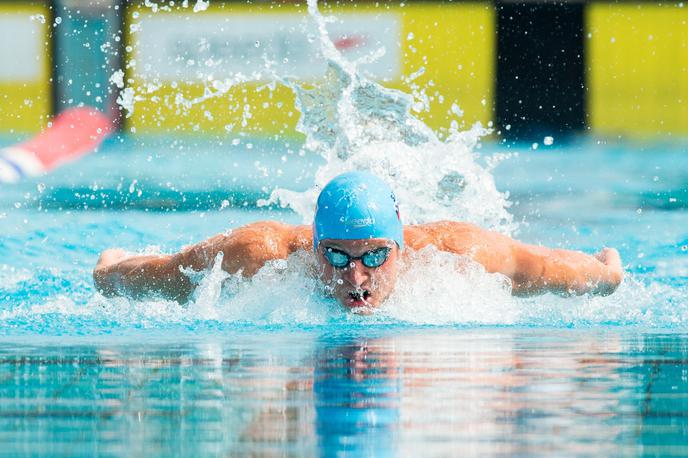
(378, 391)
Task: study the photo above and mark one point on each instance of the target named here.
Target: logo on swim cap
(360, 222)
(357, 205)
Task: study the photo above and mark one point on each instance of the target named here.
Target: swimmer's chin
(363, 310)
(361, 306)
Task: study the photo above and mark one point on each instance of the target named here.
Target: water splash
(354, 123)
(357, 124)
(434, 288)
(441, 288)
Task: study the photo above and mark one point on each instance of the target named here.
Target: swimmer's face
(356, 286)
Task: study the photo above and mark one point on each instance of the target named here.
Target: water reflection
(357, 388)
(372, 392)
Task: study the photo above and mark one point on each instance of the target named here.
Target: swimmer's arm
(120, 274)
(535, 269)
(532, 269)
(244, 250)
(565, 272)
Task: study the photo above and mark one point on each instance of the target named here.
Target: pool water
(361, 392)
(82, 375)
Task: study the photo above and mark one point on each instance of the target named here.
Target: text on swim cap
(361, 222)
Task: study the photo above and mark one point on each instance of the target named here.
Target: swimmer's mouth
(359, 298)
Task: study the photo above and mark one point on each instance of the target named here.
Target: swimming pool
(262, 372)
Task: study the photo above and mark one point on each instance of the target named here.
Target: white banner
(22, 51)
(217, 45)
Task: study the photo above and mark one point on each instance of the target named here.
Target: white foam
(442, 288)
(11, 276)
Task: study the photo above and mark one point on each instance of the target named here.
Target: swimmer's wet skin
(358, 240)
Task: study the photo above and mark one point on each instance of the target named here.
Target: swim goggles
(373, 258)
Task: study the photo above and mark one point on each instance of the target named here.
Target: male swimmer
(359, 243)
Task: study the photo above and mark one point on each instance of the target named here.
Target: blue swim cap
(357, 205)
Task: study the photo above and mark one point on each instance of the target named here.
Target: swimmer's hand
(614, 275)
(110, 257)
(104, 274)
(108, 274)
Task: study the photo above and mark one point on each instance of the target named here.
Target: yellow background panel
(456, 45)
(637, 69)
(453, 42)
(25, 105)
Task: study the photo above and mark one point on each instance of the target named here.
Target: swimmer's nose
(356, 273)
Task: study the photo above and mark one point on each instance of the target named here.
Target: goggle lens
(375, 258)
(337, 258)
(372, 259)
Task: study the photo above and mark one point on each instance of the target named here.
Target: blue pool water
(271, 370)
(146, 195)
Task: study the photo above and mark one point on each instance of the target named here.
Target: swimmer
(359, 243)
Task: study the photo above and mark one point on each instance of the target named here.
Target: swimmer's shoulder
(300, 238)
(284, 237)
(454, 236)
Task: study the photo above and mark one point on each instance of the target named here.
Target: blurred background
(610, 69)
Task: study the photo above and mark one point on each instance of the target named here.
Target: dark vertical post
(85, 53)
(540, 70)
(52, 59)
(119, 61)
